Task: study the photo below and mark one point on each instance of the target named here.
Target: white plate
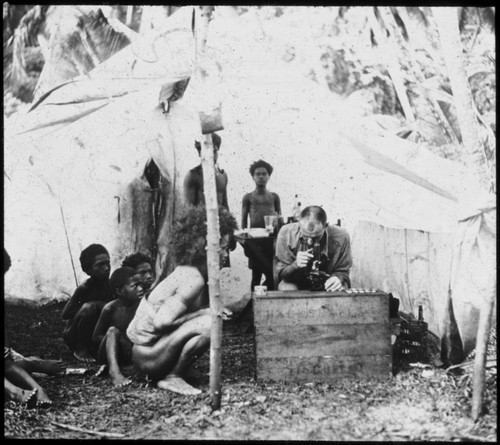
(258, 232)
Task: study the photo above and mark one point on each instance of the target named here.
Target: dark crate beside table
(304, 336)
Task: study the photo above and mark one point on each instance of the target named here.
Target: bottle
(420, 313)
(297, 208)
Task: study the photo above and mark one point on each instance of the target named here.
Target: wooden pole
(213, 234)
(479, 374)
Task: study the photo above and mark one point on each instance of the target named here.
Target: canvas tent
(70, 182)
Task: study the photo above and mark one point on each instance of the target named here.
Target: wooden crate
(304, 336)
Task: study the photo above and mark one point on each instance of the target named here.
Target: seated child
(115, 348)
(144, 267)
(256, 205)
(19, 385)
(83, 309)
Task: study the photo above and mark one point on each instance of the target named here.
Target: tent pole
(213, 233)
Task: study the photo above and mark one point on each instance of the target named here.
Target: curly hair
(120, 277)
(189, 235)
(88, 255)
(134, 259)
(260, 163)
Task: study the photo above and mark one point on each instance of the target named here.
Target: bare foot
(120, 381)
(49, 367)
(26, 397)
(177, 385)
(42, 400)
(84, 356)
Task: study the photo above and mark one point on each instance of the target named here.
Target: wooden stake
(213, 235)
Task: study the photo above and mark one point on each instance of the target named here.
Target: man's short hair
(315, 212)
(120, 278)
(260, 163)
(88, 255)
(216, 141)
(135, 259)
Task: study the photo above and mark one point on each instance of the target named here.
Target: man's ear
(118, 291)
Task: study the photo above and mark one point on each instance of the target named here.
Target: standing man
(312, 244)
(193, 182)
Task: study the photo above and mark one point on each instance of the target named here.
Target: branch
(82, 430)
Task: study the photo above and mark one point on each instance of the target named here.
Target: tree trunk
(213, 234)
(447, 23)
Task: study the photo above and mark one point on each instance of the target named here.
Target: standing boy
(256, 205)
(110, 332)
(83, 309)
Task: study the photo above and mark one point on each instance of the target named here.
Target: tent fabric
(472, 280)
(83, 154)
(411, 264)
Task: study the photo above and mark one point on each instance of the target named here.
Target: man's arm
(74, 304)
(245, 205)
(287, 263)
(103, 324)
(277, 204)
(191, 188)
(224, 192)
(344, 263)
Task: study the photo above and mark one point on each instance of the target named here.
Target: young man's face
(132, 291)
(146, 275)
(260, 176)
(100, 267)
(224, 249)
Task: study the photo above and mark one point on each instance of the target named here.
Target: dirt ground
(416, 404)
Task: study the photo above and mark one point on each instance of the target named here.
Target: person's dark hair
(88, 255)
(216, 141)
(189, 233)
(315, 212)
(120, 278)
(133, 260)
(260, 163)
(6, 261)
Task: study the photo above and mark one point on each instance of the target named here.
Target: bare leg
(18, 395)
(111, 343)
(173, 381)
(36, 364)
(19, 377)
(81, 330)
(172, 354)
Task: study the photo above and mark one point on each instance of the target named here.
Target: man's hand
(333, 284)
(303, 258)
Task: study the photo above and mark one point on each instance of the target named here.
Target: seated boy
(110, 332)
(256, 205)
(144, 267)
(19, 385)
(84, 307)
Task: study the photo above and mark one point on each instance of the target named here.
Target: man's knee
(286, 285)
(90, 310)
